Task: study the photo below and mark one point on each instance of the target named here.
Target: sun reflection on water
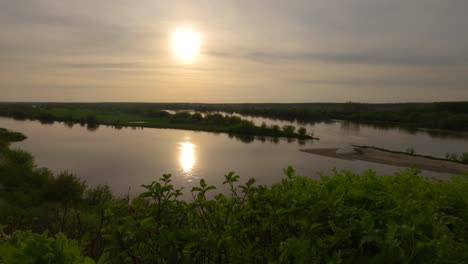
(187, 156)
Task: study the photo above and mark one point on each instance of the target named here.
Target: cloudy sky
(252, 51)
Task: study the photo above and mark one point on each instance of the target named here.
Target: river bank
(392, 158)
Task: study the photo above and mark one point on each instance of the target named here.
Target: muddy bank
(390, 158)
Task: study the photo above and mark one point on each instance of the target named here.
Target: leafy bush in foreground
(344, 218)
(27, 247)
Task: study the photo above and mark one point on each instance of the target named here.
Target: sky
(251, 51)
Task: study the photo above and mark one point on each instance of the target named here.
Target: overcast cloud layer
(253, 51)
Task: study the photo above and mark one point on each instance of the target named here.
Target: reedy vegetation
(344, 218)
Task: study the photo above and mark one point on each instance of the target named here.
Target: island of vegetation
(122, 115)
(343, 218)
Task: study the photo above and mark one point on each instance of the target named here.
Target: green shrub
(289, 129)
(98, 196)
(302, 131)
(464, 158)
(9, 136)
(66, 188)
(343, 218)
(19, 157)
(27, 247)
(275, 128)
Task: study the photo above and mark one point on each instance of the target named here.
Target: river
(129, 157)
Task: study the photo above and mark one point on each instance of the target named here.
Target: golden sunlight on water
(187, 156)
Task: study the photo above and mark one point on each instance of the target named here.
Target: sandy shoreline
(395, 159)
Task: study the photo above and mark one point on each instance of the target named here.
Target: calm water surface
(126, 158)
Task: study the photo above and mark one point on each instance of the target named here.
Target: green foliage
(302, 131)
(27, 247)
(343, 218)
(289, 129)
(97, 196)
(464, 158)
(9, 136)
(65, 188)
(275, 128)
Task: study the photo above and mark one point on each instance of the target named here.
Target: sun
(185, 44)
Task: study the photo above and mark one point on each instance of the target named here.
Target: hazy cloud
(371, 58)
(417, 83)
(249, 48)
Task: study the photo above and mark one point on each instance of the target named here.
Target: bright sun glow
(187, 156)
(185, 44)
